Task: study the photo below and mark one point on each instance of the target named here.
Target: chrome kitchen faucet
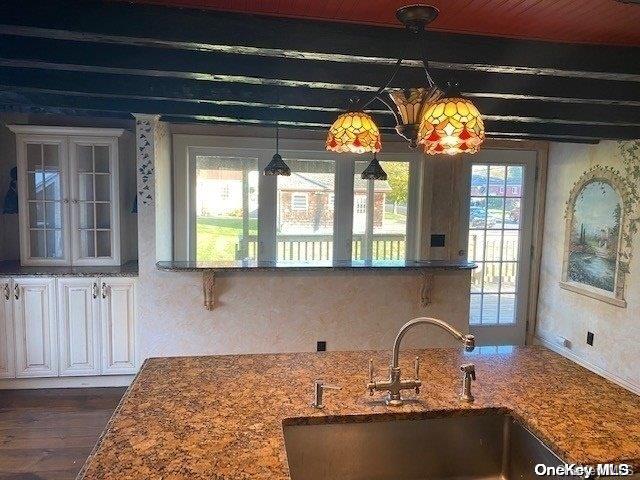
(394, 385)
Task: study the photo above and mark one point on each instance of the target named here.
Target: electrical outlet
(590, 338)
(437, 240)
(321, 346)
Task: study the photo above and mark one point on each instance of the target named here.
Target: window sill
(253, 265)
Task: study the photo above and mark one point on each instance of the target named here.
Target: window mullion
(343, 213)
(369, 224)
(267, 212)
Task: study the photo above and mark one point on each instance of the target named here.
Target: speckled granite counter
(14, 269)
(317, 265)
(221, 417)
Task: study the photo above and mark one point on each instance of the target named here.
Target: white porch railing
(304, 248)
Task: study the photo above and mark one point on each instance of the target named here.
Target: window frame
(186, 147)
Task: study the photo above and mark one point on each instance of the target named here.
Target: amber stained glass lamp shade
(451, 125)
(354, 132)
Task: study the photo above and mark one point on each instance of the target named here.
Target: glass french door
(500, 187)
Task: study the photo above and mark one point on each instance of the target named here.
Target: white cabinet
(69, 326)
(79, 326)
(7, 355)
(117, 309)
(68, 193)
(34, 315)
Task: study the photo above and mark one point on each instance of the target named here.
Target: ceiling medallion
(447, 124)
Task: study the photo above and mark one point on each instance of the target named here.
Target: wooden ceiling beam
(123, 60)
(240, 30)
(305, 118)
(176, 92)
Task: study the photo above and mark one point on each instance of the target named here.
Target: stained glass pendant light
(411, 104)
(374, 171)
(448, 125)
(354, 132)
(451, 125)
(277, 166)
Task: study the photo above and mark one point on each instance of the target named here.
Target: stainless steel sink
(484, 446)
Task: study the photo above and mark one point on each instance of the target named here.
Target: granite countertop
(14, 269)
(221, 417)
(322, 265)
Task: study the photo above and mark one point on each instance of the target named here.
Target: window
(380, 213)
(226, 208)
(299, 202)
(305, 221)
(324, 211)
(494, 222)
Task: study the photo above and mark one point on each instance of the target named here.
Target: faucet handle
(371, 386)
(318, 389)
(469, 370)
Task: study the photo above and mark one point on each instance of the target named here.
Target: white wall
(282, 312)
(616, 349)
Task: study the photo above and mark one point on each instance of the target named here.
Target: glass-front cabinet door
(94, 201)
(68, 195)
(43, 201)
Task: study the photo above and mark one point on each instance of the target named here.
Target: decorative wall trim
(626, 186)
(586, 364)
(145, 142)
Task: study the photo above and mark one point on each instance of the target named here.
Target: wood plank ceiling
(605, 22)
(113, 58)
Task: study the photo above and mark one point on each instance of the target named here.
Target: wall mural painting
(602, 217)
(595, 236)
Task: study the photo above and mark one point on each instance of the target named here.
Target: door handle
(104, 290)
(16, 291)
(7, 291)
(94, 290)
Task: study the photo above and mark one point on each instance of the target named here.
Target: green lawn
(217, 237)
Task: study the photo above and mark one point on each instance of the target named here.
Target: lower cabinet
(34, 321)
(7, 350)
(117, 311)
(79, 326)
(70, 326)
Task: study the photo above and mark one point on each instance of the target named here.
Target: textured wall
(286, 312)
(616, 348)
(282, 312)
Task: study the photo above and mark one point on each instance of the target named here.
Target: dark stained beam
(126, 60)
(306, 118)
(199, 92)
(53, 34)
(176, 105)
(218, 28)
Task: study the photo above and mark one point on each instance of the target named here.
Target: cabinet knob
(94, 290)
(104, 290)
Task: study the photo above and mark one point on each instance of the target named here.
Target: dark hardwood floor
(48, 434)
